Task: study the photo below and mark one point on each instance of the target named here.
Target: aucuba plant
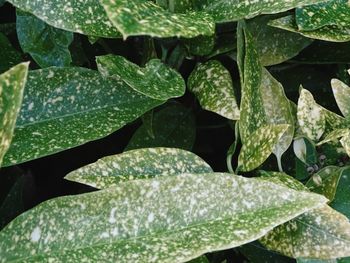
(175, 131)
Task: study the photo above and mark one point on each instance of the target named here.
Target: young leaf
(138, 164)
(259, 146)
(142, 17)
(66, 107)
(212, 84)
(310, 116)
(341, 93)
(155, 80)
(9, 56)
(174, 126)
(85, 17)
(12, 84)
(47, 45)
(166, 219)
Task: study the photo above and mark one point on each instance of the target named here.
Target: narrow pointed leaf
(341, 93)
(212, 84)
(142, 17)
(164, 219)
(86, 17)
(138, 164)
(156, 80)
(334, 135)
(12, 84)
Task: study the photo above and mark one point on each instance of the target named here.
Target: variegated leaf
(138, 164)
(341, 93)
(334, 135)
(212, 84)
(166, 219)
(345, 142)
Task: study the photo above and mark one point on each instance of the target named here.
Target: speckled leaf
(212, 84)
(138, 164)
(341, 201)
(156, 80)
(86, 17)
(201, 45)
(12, 84)
(66, 107)
(300, 260)
(282, 179)
(233, 10)
(9, 56)
(334, 136)
(179, 132)
(345, 142)
(142, 17)
(310, 116)
(327, 33)
(201, 259)
(333, 12)
(275, 45)
(341, 93)
(165, 219)
(47, 45)
(259, 146)
(176, 6)
(325, 182)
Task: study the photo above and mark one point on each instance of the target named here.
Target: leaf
(341, 201)
(334, 135)
(156, 80)
(142, 17)
(327, 33)
(201, 45)
(275, 45)
(138, 164)
(259, 146)
(333, 12)
(9, 56)
(12, 84)
(299, 260)
(234, 10)
(47, 45)
(325, 182)
(173, 126)
(201, 259)
(341, 93)
(282, 179)
(85, 17)
(163, 219)
(345, 142)
(310, 116)
(212, 85)
(66, 107)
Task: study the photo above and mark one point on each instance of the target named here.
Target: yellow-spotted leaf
(341, 93)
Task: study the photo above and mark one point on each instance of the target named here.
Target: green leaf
(275, 45)
(334, 135)
(310, 116)
(156, 80)
(300, 260)
(341, 201)
(201, 45)
(345, 142)
(12, 84)
(9, 56)
(325, 182)
(282, 179)
(341, 93)
(138, 164)
(166, 219)
(333, 12)
(173, 126)
(66, 107)
(85, 17)
(202, 259)
(47, 45)
(327, 33)
(259, 146)
(233, 10)
(176, 6)
(212, 84)
(142, 17)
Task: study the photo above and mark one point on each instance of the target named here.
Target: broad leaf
(334, 135)
(156, 80)
(201, 45)
(174, 126)
(142, 17)
(341, 93)
(259, 146)
(138, 164)
(47, 45)
(201, 259)
(310, 116)
(9, 56)
(341, 201)
(212, 84)
(345, 142)
(12, 84)
(66, 107)
(167, 219)
(86, 17)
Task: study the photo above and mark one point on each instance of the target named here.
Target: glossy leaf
(212, 85)
(179, 132)
(334, 135)
(47, 45)
(201, 259)
(156, 80)
(167, 219)
(12, 84)
(259, 146)
(341, 201)
(66, 107)
(142, 17)
(138, 164)
(341, 93)
(86, 17)
(9, 56)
